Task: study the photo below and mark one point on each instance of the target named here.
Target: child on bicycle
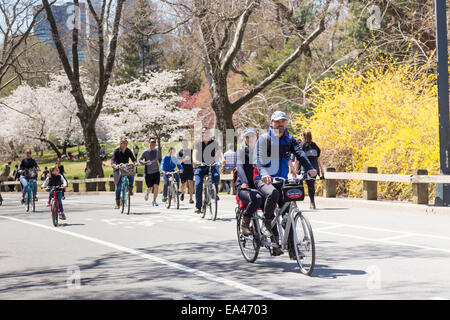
(168, 164)
(55, 180)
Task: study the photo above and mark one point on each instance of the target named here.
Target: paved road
(155, 253)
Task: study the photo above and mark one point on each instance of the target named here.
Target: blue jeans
(166, 183)
(59, 197)
(24, 184)
(119, 185)
(199, 173)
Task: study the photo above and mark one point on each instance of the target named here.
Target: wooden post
(112, 186)
(370, 187)
(329, 186)
(101, 185)
(76, 185)
(139, 183)
(420, 190)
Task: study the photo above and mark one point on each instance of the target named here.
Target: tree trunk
(93, 162)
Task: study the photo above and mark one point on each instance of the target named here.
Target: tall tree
(223, 27)
(139, 46)
(89, 110)
(17, 19)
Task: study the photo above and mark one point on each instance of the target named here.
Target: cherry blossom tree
(43, 115)
(143, 109)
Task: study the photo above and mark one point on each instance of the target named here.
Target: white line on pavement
(208, 276)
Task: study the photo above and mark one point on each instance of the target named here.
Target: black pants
(253, 199)
(273, 197)
(311, 189)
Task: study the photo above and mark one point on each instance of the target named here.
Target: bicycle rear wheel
(304, 246)
(54, 214)
(249, 245)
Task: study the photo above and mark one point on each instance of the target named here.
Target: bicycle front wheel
(128, 202)
(27, 202)
(169, 197)
(54, 214)
(206, 199)
(176, 197)
(213, 203)
(304, 246)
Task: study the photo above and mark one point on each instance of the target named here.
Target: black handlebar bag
(293, 192)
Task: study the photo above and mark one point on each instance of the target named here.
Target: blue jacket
(273, 154)
(169, 163)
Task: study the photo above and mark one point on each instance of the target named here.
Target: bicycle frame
(124, 186)
(55, 200)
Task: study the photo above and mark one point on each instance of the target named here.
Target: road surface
(366, 252)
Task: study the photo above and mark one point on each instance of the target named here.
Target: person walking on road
(312, 151)
(122, 155)
(150, 159)
(187, 177)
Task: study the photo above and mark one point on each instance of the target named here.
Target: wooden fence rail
(419, 179)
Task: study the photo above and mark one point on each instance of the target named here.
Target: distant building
(64, 15)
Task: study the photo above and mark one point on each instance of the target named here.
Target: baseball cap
(249, 131)
(278, 115)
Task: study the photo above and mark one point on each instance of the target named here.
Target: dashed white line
(202, 274)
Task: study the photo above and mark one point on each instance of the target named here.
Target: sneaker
(48, 204)
(266, 226)
(198, 211)
(191, 201)
(64, 198)
(182, 197)
(164, 199)
(36, 198)
(22, 201)
(217, 198)
(62, 216)
(312, 206)
(146, 196)
(155, 204)
(277, 251)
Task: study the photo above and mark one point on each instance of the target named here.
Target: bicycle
(209, 192)
(172, 191)
(294, 229)
(125, 170)
(31, 176)
(54, 205)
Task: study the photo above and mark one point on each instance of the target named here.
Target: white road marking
(202, 274)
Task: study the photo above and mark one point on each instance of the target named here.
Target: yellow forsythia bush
(385, 116)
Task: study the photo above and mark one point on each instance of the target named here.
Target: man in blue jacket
(274, 149)
(168, 164)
